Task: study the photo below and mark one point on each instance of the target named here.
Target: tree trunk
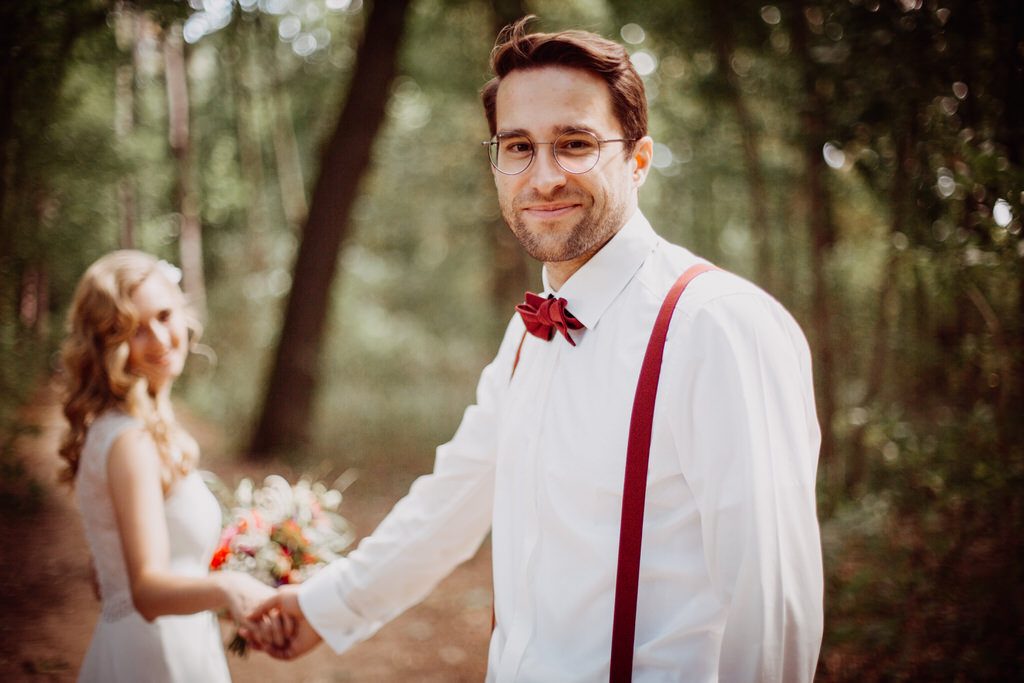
(286, 417)
(241, 85)
(190, 239)
(888, 309)
(823, 233)
(723, 40)
(286, 151)
(126, 32)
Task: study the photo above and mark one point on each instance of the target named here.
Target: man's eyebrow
(576, 128)
(559, 130)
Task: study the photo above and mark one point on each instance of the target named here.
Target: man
(730, 581)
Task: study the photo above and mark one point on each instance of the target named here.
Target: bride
(151, 523)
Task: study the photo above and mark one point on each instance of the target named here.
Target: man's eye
(576, 145)
(518, 147)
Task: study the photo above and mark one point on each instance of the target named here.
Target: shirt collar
(591, 289)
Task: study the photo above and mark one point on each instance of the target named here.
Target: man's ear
(643, 153)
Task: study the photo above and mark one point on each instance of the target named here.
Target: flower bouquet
(279, 533)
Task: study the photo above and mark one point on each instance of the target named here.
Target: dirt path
(49, 610)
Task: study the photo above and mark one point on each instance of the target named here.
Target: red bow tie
(544, 316)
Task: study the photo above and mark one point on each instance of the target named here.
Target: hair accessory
(170, 271)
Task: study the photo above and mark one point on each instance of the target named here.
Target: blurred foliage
(918, 107)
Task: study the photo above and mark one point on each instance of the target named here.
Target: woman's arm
(133, 474)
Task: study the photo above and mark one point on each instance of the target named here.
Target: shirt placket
(524, 613)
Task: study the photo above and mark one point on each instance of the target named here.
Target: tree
(285, 418)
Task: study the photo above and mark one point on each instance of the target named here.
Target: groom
(730, 573)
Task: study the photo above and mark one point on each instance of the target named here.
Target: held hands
(243, 594)
(278, 627)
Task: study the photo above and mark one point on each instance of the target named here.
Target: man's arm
(748, 445)
(438, 525)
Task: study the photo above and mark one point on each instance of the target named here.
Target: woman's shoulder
(104, 431)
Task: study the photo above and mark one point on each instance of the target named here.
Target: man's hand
(279, 628)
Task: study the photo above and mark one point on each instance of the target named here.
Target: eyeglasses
(575, 151)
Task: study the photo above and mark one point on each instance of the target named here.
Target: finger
(261, 634)
(263, 607)
(291, 625)
(280, 653)
(275, 629)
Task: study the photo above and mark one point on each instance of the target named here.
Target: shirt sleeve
(748, 439)
(439, 524)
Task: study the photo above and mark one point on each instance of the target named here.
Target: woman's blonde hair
(95, 357)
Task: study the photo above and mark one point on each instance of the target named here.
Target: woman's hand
(242, 593)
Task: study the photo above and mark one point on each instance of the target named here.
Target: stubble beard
(586, 237)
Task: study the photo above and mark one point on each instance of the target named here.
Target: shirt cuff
(321, 601)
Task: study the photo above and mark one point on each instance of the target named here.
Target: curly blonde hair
(95, 358)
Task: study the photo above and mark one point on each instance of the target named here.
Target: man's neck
(559, 272)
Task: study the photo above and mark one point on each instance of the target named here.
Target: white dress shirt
(731, 572)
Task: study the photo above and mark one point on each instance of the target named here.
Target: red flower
(220, 557)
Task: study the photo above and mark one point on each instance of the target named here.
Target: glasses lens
(511, 154)
(577, 151)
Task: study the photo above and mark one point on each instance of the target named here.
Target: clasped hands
(278, 627)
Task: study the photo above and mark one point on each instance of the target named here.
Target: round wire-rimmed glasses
(575, 151)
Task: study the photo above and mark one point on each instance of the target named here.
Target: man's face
(559, 216)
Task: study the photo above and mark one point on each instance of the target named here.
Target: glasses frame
(533, 154)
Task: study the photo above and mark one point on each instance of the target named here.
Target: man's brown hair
(517, 49)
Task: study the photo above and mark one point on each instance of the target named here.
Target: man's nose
(546, 174)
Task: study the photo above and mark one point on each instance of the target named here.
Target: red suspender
(634, 488)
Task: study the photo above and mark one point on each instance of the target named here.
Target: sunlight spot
(196, 26)
(890, 451)
(834, 155)
(945, 183)
(663, 156)
(289, 27)
(941, 230)
(644, 62)
(279, 281)
(304, 45)
(633, 34)
(313, 11)
(770, 14)
(322, 36)
(274, 6)
(858, 416)
(1001, 213)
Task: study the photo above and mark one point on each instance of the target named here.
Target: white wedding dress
(126, 647)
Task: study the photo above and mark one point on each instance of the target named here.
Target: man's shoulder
(668, 261)
(717, 296)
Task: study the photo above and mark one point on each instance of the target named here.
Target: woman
(151, 523)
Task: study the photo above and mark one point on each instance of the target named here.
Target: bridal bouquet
(279, 533)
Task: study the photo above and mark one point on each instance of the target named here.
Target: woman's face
(159, 345)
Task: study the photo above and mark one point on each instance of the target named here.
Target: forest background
(315, 167)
